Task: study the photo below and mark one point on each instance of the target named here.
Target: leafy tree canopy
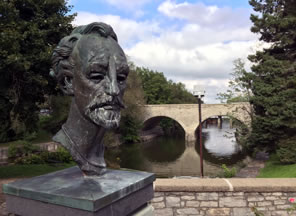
(159, 90)
(29, 30)
(238, 90)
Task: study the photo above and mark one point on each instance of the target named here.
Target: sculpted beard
(105, 112)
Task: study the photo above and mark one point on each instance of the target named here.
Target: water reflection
(171, 156)
(164, 149)
(220, 146)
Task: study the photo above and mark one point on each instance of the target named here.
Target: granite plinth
(68, 192)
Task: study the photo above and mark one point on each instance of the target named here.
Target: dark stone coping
(71, 189)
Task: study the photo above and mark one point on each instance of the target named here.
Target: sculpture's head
(91, 66)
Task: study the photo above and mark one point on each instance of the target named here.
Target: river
(172, 156)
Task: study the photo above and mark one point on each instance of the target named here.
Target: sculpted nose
(113, 88)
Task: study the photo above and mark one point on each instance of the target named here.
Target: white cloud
(205, 15)
(208, 65)
(128, 31)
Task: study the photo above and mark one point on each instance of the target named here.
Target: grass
(24, 171)
(273, 169)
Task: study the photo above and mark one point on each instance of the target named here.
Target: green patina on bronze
(85, 193)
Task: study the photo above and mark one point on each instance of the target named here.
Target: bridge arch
(187, 114)
(154, 121)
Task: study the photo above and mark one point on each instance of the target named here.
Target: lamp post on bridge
(199, 92)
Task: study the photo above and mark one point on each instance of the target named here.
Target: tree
(132, 116)
(238, 89)
(159, 90)
(273, 76)
(29, 30)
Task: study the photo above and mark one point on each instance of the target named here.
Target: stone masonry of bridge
(187, 114)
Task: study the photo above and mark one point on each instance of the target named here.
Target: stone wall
(3, 153)
(217, 197)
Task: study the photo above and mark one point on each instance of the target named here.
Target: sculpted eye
(96, 76)
(121, 78)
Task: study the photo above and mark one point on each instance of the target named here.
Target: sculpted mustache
(98, 104)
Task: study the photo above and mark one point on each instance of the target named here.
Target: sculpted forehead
(93, 48)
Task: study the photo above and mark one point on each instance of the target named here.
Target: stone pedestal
(68, 193)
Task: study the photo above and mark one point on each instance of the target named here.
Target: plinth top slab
(70, 188)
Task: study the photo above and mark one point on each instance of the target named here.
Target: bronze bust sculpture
(90, 65)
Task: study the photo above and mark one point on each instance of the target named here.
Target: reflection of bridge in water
(187, 114)
(187, 164)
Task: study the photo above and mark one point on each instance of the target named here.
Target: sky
(191, 41)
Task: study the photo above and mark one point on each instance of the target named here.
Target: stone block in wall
(188, 197)
(272, 208)
(255, 198)
(283, 207)
(164, 212)
(158, 205)
(232, 202)
(242, 212)
(157, 199)
(192, 203)
(277, 194)
(172, 201)
(264, 203)
(209, 204)
(218, 212)
(280, 202)
(187, 211)
(271, 198)
(207, 196)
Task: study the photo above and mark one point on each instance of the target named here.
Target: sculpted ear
(66, 85)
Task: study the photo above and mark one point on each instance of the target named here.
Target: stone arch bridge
(187, 114)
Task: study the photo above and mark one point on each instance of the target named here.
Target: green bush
(13, 151)
(26, 153)
(61, 155)
(30, 159)
(286, 151)
(228, 173)
(28, 148)
(21, 148)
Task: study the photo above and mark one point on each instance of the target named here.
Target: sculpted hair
(62, 64)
